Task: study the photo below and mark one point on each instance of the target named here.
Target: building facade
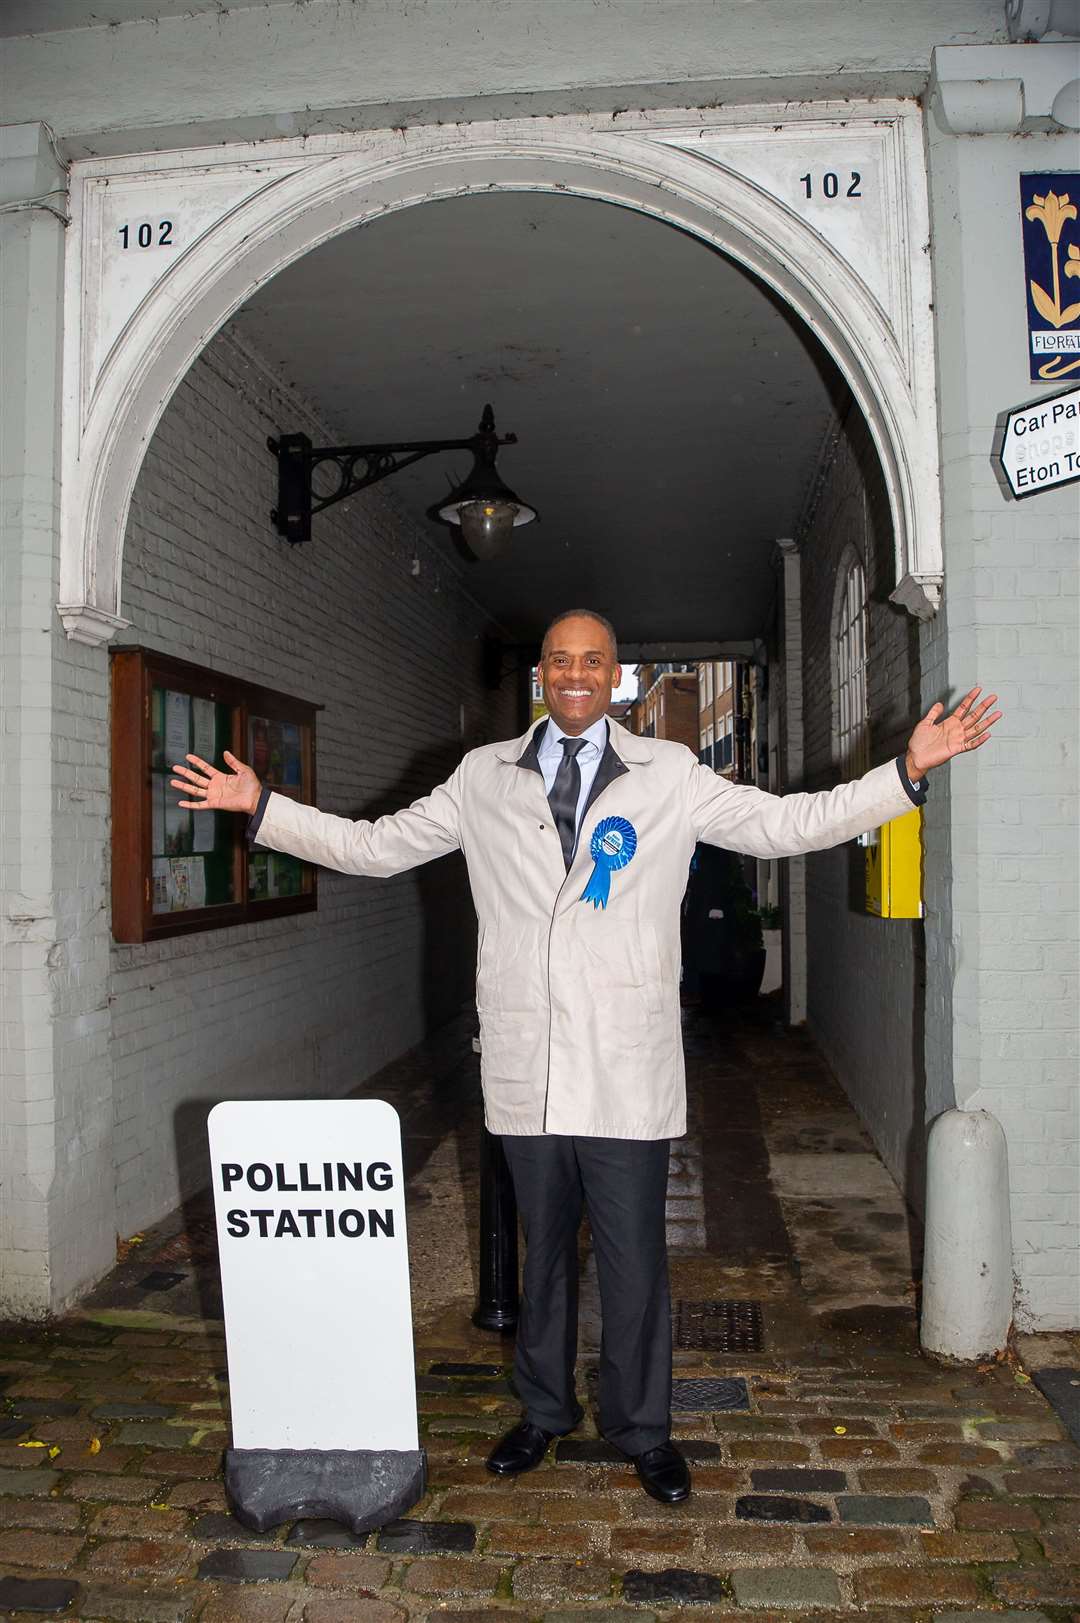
(876, 174)
(667, 704)
(727, 730)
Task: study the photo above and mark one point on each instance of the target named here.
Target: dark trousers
(622, 1184)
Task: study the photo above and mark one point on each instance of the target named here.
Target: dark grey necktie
(564, 794)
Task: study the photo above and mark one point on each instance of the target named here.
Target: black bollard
(497, 1305)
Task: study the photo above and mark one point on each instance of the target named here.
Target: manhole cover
(723, 1326)
(707, 1396)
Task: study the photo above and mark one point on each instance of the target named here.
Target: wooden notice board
(173, 871)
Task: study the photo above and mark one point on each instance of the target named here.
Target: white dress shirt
(550, 756)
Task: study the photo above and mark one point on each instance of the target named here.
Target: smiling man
(578, 668)
(578, 838)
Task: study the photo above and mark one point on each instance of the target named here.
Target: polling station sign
(1040, 443)
(1050, 220)
(310, 1204)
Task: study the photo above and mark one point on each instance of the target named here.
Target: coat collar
(629, 749)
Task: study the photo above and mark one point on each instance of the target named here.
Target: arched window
(851, 712)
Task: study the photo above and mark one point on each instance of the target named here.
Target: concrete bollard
(967, 1267)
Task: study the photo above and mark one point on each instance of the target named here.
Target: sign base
(363, 1488)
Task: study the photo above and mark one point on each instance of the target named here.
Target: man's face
(578, 671)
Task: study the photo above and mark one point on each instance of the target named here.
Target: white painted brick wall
(56, 1228)
(940, 955)
(1014, 623)
(312, 1004)
(1015, 848)
(82, 1196)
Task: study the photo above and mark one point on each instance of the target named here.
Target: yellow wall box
(894, 868)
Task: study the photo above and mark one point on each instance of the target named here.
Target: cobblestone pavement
(836, 1471)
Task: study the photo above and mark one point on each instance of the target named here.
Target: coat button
(542, 827)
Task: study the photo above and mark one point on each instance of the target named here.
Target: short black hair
(582, 614)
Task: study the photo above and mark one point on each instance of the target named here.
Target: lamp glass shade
(486, 526)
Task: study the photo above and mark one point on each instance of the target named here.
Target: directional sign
(1041, 445)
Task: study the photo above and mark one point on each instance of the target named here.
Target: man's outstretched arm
(428, 828)
(743, 818)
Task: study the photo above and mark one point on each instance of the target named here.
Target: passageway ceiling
(670, 410)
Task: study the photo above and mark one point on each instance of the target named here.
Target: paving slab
(885, 1510)
(779, 1508)
(28, 1484)
(133, 1411)
(675, 1586)
(135, 1603)
(424, 1538)
(247, 1566)
(45, 1595)
(785, 1586)
(983, 1617)
(218, 1528)
(596, 1614)
(798, 1479)
(318, 1534)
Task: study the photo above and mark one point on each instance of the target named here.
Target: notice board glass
(174, 871)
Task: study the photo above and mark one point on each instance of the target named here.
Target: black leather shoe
(522, 1449)
(664, 1474)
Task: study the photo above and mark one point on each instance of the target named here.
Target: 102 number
(142, 235)
(830, 184)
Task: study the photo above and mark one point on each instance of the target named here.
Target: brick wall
(1013, 622)
(82, 1210)
(865, 976)
(1012, 605)
(680, 719)
(315, 1003)
(56, 1227)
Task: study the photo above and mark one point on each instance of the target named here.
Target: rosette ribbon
(613, 843)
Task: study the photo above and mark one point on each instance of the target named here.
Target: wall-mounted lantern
(482, 507)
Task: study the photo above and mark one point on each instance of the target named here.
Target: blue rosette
(613, 844)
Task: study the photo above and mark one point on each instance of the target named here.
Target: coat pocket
(513, 1048)
(628, 963)
(655, 980)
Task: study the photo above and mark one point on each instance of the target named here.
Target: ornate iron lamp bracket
(358, 466)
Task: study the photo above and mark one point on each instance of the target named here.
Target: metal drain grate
(724, 1326)
(159, 1280)
(708, 1396)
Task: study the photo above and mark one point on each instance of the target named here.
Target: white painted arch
(272, 202)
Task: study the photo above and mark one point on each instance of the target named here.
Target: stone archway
(164, 249)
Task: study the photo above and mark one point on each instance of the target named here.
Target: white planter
(773, 977)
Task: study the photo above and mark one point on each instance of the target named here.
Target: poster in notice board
(197, 846)
(175, 870)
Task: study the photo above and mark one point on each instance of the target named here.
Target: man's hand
(936, 741)
(235, 791)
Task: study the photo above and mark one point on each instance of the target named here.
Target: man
(578, 837)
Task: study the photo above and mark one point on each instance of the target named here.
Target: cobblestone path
(837, 1473)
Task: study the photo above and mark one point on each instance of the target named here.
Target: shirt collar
(597, 735)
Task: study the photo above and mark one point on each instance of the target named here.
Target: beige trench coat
(578, 1004)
